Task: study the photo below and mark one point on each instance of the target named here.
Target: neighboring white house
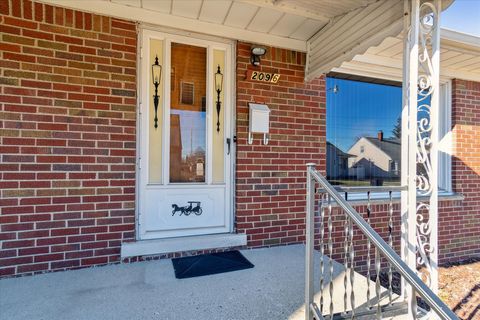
(375, 157)
(337, 162)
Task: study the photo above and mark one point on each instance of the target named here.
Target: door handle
(228, 145)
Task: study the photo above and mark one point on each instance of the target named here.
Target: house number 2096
(263, 76)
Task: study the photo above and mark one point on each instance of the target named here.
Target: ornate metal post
(421, 100)
(309, 241)
(404, 139)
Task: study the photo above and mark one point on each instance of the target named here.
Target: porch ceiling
(281, 23)
(332, 31)
(459, 58)
(353, 33)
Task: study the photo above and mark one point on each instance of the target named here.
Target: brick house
(86, 178)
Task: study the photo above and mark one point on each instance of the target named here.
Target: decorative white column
(420, 170)
(404, 250)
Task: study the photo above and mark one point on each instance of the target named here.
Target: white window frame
(446, 148)
(446, 139)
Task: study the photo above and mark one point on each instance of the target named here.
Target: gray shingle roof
(336, 151)
(391, 146)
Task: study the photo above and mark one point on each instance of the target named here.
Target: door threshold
(179, 244)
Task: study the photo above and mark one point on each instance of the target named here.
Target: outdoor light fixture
(156, 76)
(218, 88)
(257, 52)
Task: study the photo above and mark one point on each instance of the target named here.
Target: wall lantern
(157, 77)
(257, 52)
(218, 88)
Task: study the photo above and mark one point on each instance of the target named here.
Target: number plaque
(262, 76)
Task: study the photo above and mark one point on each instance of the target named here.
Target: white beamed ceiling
(332, 32)
(281, 23)
(285, 19)
(459, 58)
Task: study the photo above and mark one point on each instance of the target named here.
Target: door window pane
(188, 113)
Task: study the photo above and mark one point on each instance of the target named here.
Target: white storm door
(184, 184)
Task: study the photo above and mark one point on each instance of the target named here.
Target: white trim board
(469, 40)
(180, 244)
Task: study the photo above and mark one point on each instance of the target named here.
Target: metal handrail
(366, 189)
(409, 275)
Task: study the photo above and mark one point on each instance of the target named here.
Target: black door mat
(206, 264)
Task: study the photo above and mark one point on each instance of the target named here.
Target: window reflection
(188, 114)
(363, 133)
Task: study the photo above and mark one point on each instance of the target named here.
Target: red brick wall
(67, 123)
(459, 232)
(270, 179)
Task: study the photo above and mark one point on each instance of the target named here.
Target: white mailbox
(259, 121)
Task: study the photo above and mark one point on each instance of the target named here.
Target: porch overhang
(330, 33)
(353, 33)
(460, 58)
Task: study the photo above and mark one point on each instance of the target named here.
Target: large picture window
(364, 130)
(363, 133)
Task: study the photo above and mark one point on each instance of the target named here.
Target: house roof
(390, 146)
(338, 152)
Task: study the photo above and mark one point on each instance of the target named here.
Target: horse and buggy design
(193, 207)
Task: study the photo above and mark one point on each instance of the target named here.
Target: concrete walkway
(274, 289)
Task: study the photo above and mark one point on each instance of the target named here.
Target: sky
(463, 16)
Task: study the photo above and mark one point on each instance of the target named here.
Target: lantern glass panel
(156, 73)
(218, 81)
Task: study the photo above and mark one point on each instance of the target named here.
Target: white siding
(371, 153)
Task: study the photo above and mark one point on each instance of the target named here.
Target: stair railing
(353, 219)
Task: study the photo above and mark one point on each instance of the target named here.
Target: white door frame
(142, 123)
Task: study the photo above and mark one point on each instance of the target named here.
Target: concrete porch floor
(274, 289)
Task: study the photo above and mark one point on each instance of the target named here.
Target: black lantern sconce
(218, 88)
(257, 52)
(157, 77)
